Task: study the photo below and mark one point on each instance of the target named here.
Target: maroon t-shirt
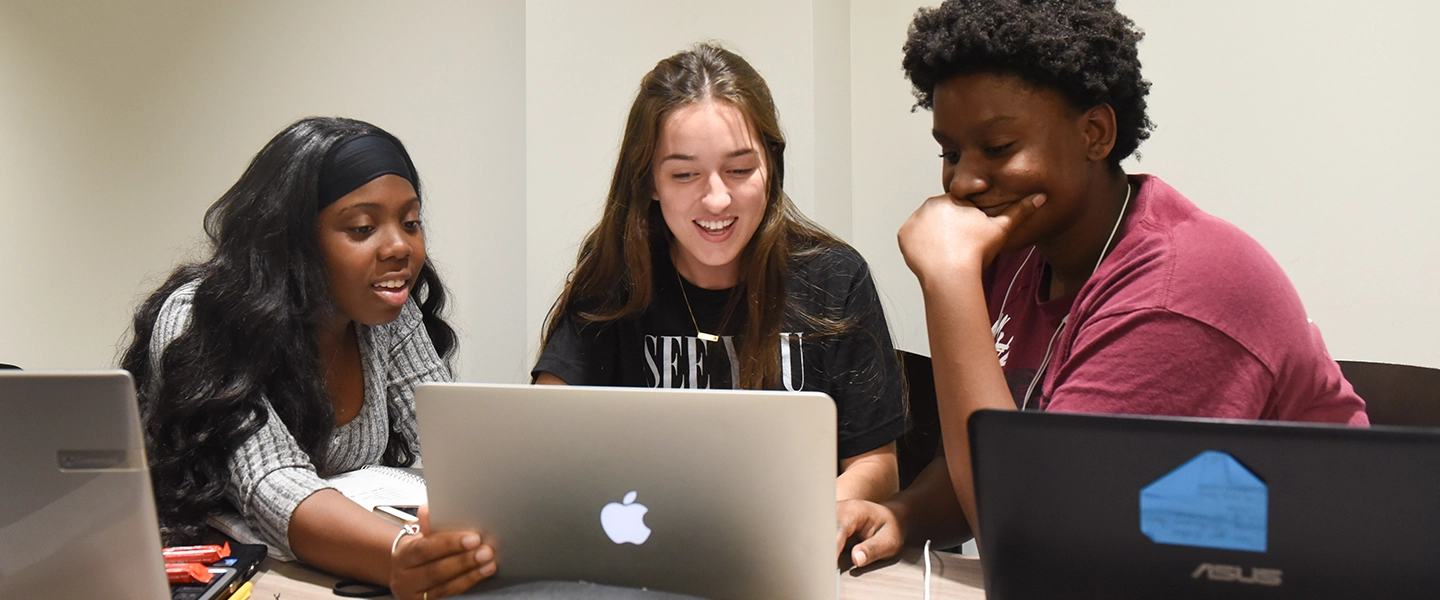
(1186, 316)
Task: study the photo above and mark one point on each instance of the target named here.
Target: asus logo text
(1233, 573)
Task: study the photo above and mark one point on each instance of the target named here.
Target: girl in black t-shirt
(700, 253)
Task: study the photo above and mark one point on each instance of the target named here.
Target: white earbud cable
(927, 569)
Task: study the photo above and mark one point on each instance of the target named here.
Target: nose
(964, 180)
(394, 244)
(717, 194)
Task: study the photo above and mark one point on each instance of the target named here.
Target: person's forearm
(871, 476)
(333, 533)
(928, 509)
(548, 378)
(967, 373)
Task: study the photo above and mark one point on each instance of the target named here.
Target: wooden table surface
(952, 577)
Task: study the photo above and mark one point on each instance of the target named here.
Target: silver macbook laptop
(718, 494)
(77, 518)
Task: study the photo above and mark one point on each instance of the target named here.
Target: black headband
(358, 161)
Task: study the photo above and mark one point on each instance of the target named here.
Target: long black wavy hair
(252, 331)
(1083, 49)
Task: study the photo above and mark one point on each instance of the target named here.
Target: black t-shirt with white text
(659, 348)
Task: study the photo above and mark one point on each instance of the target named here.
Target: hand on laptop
(873, 526)
(438, 564)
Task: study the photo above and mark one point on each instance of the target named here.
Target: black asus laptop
(1089, 506)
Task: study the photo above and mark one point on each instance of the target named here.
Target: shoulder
(1177, 258)
(832, 261)
(180, 301)
(833, 282)
(1199, 242)
(174, 317)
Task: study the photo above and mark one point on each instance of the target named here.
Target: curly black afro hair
(1083, 49)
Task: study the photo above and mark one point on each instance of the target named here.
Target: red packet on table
(187, 573)
(207, 554)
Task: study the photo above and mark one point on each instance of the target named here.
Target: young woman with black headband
(292, 354)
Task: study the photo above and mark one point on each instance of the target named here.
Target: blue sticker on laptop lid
(1212, 501)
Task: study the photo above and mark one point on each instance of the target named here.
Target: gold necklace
(709, 337)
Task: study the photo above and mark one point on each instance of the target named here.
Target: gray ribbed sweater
(269, 473)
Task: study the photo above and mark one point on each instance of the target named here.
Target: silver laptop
(718, 494)
(77, 517)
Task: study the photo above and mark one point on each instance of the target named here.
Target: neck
(1075, 252)
(702, 275)
(333, 334)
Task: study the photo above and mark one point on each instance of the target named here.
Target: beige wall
(121, 122)
(893, 157)
(1309, 124)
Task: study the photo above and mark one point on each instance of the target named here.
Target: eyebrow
(735, 154)
(998, 120)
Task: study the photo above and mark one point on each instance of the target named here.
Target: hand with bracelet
(426, 565)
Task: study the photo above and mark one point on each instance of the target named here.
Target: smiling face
(1002, 140)
(373, 248)
(710, 181)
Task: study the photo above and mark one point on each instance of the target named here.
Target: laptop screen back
(1086, 506)
(715, 494)
(77, 517)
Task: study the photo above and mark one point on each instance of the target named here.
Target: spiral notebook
(368, 486)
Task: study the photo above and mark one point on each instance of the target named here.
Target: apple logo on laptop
(625, 523)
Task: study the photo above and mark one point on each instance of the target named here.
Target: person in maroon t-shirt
(1097, 291)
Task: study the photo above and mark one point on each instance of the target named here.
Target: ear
(1098, 125)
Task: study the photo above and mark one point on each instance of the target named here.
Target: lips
(995, 210)
(392, 291)
(715, 229)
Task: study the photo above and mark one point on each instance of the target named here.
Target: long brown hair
(612, 276)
